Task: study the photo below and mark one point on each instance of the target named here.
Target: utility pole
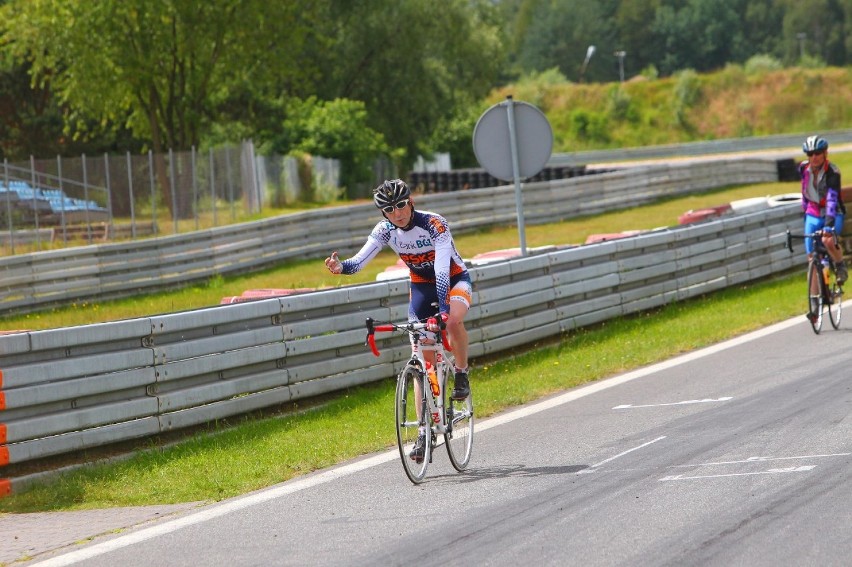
(801, 36)
(589, 52)
(620, 55)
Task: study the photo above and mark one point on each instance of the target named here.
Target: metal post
(62, 202)
(35, 203)
(109, 193)
(212, 186)
(519, 201)
(86, 200)
(153, 193)
(194, 190)
(9, 205)
(173, 191)
(589, 52)
(230, 185)
(130, 195)
(620, 55)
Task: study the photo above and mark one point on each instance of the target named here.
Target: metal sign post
(513, 141)
(519, 200)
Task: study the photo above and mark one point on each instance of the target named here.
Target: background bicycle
(824, 291)
(422, 407)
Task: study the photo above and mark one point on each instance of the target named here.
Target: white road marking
(594, 467)
(289, 487)
(704, 401)
(787, 470)
(763, 459)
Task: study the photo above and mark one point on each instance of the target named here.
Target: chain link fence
(46, 204)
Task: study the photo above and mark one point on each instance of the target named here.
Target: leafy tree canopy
(161, 67)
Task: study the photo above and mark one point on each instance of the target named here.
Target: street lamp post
(589, 52)
(620, 55)
(801, 36)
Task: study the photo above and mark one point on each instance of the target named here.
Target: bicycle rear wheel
(835, 302)
(459, 435)
(815, 295)
(408, 424)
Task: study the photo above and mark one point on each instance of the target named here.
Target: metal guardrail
(787, 143)
(32, 281)
(66, 390)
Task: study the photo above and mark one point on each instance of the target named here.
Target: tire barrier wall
(462, 179)
(32, 281)
(66, 390)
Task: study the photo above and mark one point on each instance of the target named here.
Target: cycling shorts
(423, 296)
(813, 223)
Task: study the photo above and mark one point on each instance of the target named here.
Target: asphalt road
(740, 454)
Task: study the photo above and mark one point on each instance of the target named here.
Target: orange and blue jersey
(426, 247)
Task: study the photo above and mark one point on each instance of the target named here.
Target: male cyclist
(821, 200)
(437, 272)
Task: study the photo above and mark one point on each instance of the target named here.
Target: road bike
(421, 400)
(824, 291)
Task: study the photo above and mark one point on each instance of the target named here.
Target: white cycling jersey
(427, 248)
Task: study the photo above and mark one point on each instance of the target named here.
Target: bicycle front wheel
(835, 302)
(409, 397)
(459, 435)
(815, 295)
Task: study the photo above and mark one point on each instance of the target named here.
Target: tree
(826, 24)
(161, 67)
(410, 62)
(559, 33)
(699, 34)
(334, 129)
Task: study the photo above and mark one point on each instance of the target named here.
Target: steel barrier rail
(67, 390)
(788, 144)
(105, 271)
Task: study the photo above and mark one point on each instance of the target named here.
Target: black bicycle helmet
(391, 192)
(815, 144)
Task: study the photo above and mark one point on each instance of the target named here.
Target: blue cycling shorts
(813, 223)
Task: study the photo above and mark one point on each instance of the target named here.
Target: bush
(619, 105)
(762, 63)
(589, 126)
(333, 129)
(687, 92)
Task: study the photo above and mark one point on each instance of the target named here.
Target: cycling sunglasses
(816, 153)
(399, 205)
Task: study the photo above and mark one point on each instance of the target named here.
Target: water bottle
(825, 270)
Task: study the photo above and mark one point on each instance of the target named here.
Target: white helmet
(815, 144)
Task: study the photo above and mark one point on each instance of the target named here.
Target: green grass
(251, 452)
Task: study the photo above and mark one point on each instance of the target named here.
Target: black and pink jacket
(828, 187)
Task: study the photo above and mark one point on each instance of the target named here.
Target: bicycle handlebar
(815, 235)
(409, 327)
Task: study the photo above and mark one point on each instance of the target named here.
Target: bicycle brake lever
(371, 341)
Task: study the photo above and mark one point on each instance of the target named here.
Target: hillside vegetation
(731, 103)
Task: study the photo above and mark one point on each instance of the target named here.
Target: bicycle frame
(424, 386)
(432, 405)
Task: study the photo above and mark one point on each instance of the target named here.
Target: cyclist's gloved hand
(432, 323)
(333, 263)
(828, 229)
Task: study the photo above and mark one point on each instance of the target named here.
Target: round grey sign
(492, 141)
